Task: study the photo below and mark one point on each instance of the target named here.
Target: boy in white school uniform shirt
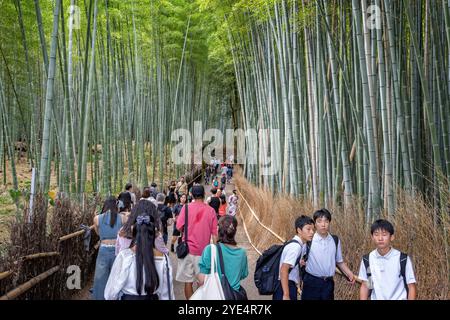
(321, 261)
(385, 280)
(290, 257)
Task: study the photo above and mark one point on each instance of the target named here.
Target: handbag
(182, 247)
(169, 284)
(211, 288)
(229, 292)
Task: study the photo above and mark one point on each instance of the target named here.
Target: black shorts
(175, 232)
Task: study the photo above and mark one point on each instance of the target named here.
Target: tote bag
(212, 287)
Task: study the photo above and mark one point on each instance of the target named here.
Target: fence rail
(16, 292)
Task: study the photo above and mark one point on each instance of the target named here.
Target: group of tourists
(133, 260)
(218, 173)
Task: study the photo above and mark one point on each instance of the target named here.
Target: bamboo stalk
(29, 284)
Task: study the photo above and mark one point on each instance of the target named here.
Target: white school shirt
(290, 255)
(322, 256)
(122, 279)
(386, 278)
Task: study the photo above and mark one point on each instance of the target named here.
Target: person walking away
(229, 172)
(233, 204)
(223, 206)
(207, 175)
(125, 201)
(322, 257)
(234, 257)
(106, 225)
(224, 169)
(125, 234)
(202, 228)
(165, 214)
(129, 189)
(386, 273)
(147, 196)
(289, 276)
(141, 272)
(171, 197)
(223, 181)
(181, 187)
(215, 182)
(176, 212)
(214, 201)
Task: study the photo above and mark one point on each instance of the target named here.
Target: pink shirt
(202, 223)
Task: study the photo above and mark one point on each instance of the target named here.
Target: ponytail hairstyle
(144, 234)
(223, 199)
(227, 229)
(110, 205)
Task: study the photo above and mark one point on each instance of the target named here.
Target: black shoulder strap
(308, 248)
(367, 265)
(222, 265)
(336, 242)
(186, 222)
(403, 261)
(298, 260)
(368, 272)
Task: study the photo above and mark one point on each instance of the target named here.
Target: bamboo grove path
(241, 239)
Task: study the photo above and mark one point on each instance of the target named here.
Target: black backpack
(403, 260)
(308, 248)
(268, 267)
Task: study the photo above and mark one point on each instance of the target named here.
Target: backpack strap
(308, 248)
(298, 260)
(336, 242)
(403, 261)
(368, 272)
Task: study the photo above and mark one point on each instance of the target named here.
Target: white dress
(122, 279)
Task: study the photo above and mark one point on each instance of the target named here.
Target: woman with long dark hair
(234, 258)
(141, 272)
(107, 225)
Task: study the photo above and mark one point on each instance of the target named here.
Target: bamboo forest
(348, 99)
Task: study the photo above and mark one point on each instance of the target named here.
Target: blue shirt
(234, 259)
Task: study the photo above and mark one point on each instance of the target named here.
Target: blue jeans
(278, 295)
(103, 265)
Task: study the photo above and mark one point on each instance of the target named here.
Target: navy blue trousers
(278, 295)
(317, 288)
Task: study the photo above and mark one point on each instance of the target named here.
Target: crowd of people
(133, 260)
